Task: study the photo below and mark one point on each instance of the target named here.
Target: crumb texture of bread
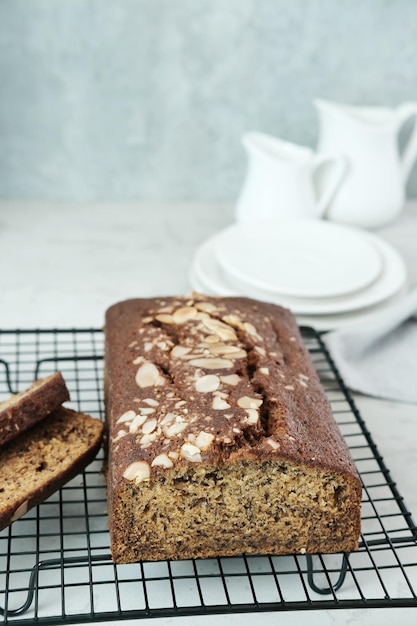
(41, 460)
(221, 440)
(27, 407)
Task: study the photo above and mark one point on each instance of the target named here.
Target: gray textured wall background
(147, 99)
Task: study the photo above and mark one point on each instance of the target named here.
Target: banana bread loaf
(221, 439)
(43, 458)
(27, 407)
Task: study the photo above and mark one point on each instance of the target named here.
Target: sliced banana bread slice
(27, 407)
(44, 458)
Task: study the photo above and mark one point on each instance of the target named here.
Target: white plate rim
(383, 288)
(366, 274)
(324, 322)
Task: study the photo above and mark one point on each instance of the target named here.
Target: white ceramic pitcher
(286, 180)
(373, 192)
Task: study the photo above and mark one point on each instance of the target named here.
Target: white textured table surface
(62, 265)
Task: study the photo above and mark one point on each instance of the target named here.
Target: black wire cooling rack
(55, 565)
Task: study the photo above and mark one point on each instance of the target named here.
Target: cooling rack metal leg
(332, 586)
(48, 564)
(7, 375)
(31, 590)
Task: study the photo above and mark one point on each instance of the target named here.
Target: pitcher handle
(338, 162)
(405, 111)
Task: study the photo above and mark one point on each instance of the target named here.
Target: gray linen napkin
(379, 357)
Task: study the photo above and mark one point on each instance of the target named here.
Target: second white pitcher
(286, 180)
(373, 193)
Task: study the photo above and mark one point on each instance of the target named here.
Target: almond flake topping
(225, 349)
(139, 471)
(184, 314)
(233, 320)
(250, 329)
(274, 444)
(203, 440)
(174, 429)
(232, 352)
(149, 426)
(147, 410)
(120, 434)
(207, 307)
(148, 375)
(212, 339)
(219, 328)
(126, 417)
(191, 453)
(253, 416)
(162, 460)
(146, 440)
(221, 394)
(179, 351)
(227, 334)
(208, 383)
(219, 404)
(245, 402)
(231, 379)
(136, 423)
(168, 418)
(165, 318)
(212, 363)
(150, 401)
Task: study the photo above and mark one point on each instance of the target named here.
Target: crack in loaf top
(204, 379)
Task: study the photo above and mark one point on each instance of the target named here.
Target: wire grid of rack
(55, 564)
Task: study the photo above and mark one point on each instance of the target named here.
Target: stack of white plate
(328, 274)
